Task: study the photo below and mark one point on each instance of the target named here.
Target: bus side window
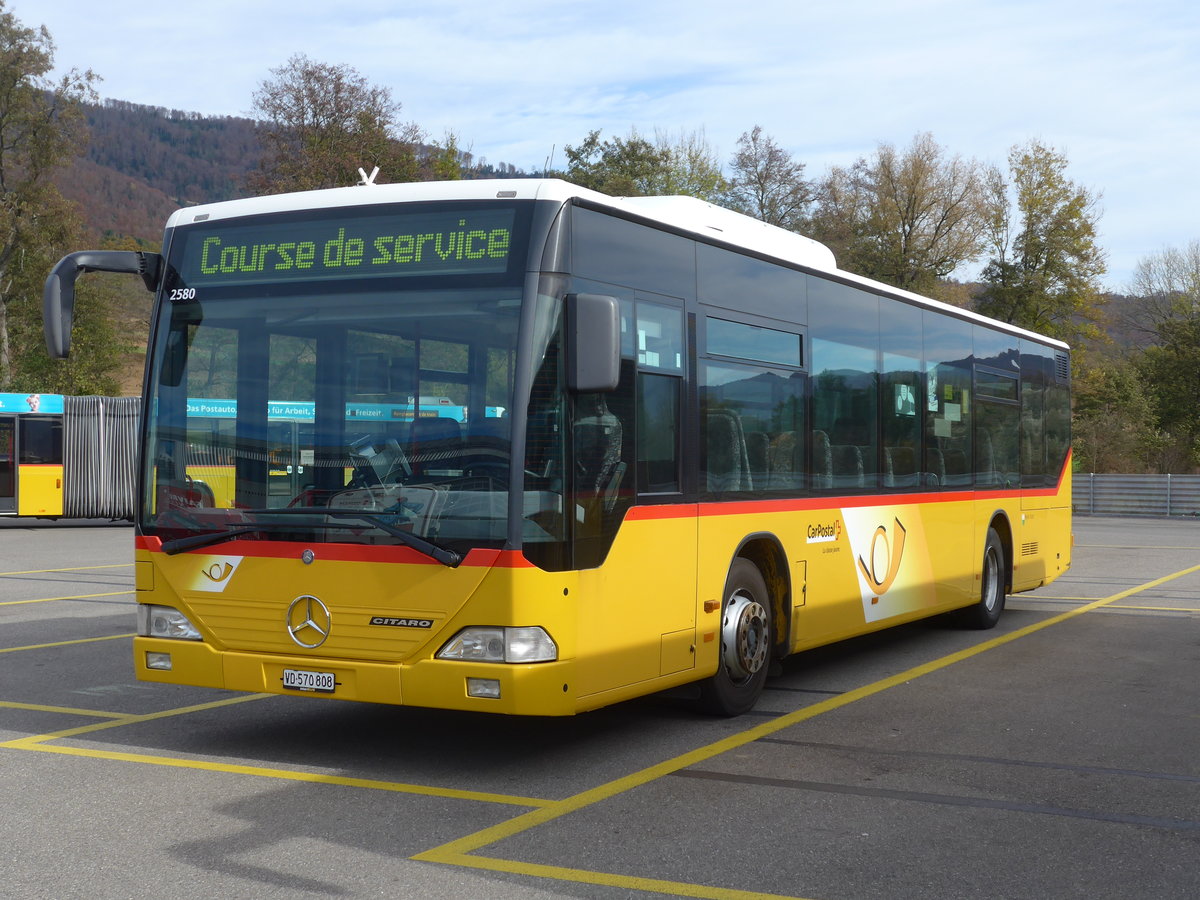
(41, 440)
(658, 434)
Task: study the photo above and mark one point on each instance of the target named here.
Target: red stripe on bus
(514, 559)
(477, 557)
(833, 501)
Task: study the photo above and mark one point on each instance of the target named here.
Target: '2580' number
(182, 295)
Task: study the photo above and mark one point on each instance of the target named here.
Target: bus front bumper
(535, 689)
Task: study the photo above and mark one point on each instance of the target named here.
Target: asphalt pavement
(1057, 755)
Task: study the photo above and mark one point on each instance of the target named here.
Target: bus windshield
(364, 408)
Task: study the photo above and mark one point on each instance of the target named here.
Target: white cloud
(1110, 82)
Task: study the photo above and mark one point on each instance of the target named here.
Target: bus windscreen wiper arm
(450, 558)
(195, 541)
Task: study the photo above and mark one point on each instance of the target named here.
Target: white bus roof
(687, 214)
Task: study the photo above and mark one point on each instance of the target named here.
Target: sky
(1113, 85)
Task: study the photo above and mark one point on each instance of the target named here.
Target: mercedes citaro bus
(661, 443)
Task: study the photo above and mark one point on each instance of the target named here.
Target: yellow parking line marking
(1187, 609)
(69, 597)
(1182, 609)
(457, 852)
(29, 743)
(40, 743)
(111, 637)
(68, 569)
(283, 774)
(1027, 598)
(64, 710)
(608, 879)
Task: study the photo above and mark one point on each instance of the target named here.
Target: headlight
(164, 622)
(508, 645)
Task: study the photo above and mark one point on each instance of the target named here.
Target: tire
(986, 612)
(747, 636)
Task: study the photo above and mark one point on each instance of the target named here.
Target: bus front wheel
(986, 612)
(747, 635)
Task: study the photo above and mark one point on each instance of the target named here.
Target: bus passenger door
(638, 612)
(8, 464)
(286, 476)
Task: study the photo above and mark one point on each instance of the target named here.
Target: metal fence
(1136, 495)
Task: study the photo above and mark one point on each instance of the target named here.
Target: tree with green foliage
(1166, 309)
(98, 346)
(41, 128)
(1113, 425)
(1045, 267)
(907, 218)
(693, 167)
(445, 160)
(1172, 372)
(321, 123)
(768, 183)
(633, 166)
(622, 167)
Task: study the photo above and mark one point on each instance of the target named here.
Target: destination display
(423, 244)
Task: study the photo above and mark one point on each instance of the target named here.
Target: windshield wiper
(450, 558)
(195, 541)
(447, 557)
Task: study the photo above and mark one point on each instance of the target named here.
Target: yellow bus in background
(68, 457)
(677, 445)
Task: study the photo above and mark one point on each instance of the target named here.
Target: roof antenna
(367, 180)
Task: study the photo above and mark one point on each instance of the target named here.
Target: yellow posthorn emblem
(217, 572)
(893, 553)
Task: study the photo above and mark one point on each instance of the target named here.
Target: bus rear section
(67, 456)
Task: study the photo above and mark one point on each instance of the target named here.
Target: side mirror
(593, 343)
(58, 296)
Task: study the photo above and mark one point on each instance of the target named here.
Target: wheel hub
(745, 636)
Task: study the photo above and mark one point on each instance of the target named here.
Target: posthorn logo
(215, 573)
(884, 558)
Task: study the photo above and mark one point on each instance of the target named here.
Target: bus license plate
(304, 680)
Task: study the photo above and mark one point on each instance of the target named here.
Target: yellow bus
(683, 445)
(67, 457)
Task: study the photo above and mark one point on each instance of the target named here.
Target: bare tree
(321, 123)
(1167, 288)
(905, 217)
(768, 183)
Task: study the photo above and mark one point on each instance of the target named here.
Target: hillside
(143, 162)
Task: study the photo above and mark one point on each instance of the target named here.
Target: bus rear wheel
(986, 612)
(747, 635)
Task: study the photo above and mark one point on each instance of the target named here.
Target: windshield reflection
(335, 417)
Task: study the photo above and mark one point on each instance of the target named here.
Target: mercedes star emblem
(308, 621)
